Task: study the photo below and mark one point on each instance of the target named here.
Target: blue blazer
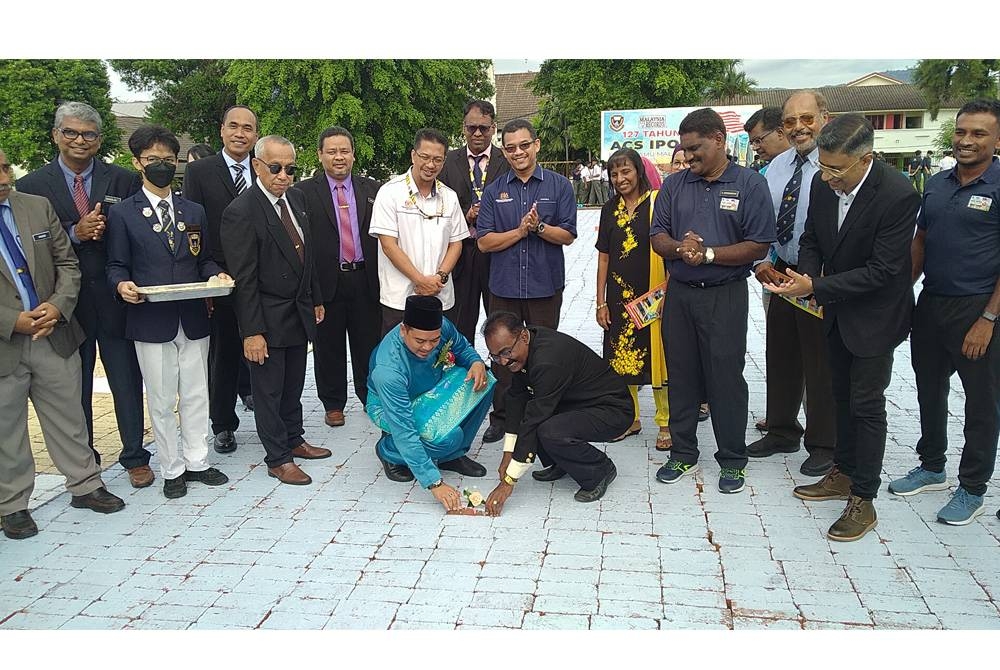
(137, 253)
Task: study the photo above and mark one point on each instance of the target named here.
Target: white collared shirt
(154, 200)
(277, 210)
(847, 199)
(779, 171)
(230, 162)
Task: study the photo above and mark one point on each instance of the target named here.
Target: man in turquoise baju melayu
(429, 414)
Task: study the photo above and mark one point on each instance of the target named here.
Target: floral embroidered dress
(633, 268)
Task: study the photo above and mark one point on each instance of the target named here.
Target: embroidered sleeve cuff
(516, 469)
(509, 441)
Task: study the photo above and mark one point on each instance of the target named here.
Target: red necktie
(347, 250)
(80, 197)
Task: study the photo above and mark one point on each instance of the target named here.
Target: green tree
(732, 84)
(30, 91)
(382, 102)
(189, 96)
(945, 134)
(943, 80)
(582, 88)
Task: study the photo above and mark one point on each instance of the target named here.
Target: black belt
(351, 267)
(707, 284)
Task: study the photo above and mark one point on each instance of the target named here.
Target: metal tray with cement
(170, 292)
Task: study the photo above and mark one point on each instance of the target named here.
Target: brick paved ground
(355, 550)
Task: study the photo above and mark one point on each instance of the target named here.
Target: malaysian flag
(734, 124)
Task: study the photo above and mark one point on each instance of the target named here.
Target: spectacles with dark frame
(838, 173)
(757, 141)
(506, 352)
(71, 134)
(427, 158)
(472, 128)
(156, 160)
(275, 168)
(523, 146)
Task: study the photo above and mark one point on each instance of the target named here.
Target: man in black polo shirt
(712, 222)
(957, 247)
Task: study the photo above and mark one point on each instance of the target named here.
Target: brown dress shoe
(140, 477)
(334, 418)
(858, 518)
(834, 486)
(289, 473)
(307, 451)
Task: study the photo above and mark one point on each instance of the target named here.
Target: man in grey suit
(39, 338)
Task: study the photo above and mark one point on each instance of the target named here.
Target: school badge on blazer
(194, 238)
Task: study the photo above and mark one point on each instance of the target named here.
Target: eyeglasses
(523, 146)
(756, 142)
(87, 135)
(471, 129)
(838, 173)
(792, 121)
(156, 160)
(427, 158)
(275, 168)
(507, 352)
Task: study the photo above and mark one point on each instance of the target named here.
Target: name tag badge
(110, 199)
(980, 202)
(730, 194)
(729, 204)
(38, 237)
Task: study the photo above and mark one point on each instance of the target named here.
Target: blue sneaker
(732, 480)
(673, 470)
(919, 480)
(962, 509)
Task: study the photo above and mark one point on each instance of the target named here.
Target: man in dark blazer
(269, 250)
(347, 266)
(82, 189)
(39, 339)
(467, 170)
(213, 183)
(854, 257)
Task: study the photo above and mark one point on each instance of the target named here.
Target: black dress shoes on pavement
(819, 462)
(211, 477)
(769, 445)
(596, 493)
(397, 473)
(463, 465)
(175, 488)
(18, 525)
(493, 434)
(225, 442)
(248, 402)
(549, 474)
(100, 500)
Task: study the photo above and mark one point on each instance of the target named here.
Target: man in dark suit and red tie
(269, 250)
(854, 258)
(82, 190)
(339, 205)
(213, 183)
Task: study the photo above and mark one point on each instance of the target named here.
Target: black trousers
(225, 356)
(859, 393)
(352, 311)
(393, 317)
(705, 339)
(472, 288)
(564, 440)
(124, 377)
(940, 324)
(277, 402)
(532, 311)
(797, 359)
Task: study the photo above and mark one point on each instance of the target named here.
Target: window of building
(915, 121)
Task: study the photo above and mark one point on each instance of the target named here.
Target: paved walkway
(355, 550)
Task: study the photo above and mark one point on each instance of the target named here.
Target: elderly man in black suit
(82, 189)
(854, 257)
(213, 183)
(269, 250)
(339, 205)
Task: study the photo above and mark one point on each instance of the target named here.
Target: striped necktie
(241, 183)
(17, 257)
(789, 201)
(80, 197)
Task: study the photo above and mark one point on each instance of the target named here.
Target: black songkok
(423, 312)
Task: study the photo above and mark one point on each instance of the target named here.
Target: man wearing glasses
(767, 135)
(526, 218)
(855, 259)
(268, 247)
(420, 227)
(82, 190)
(796, 347)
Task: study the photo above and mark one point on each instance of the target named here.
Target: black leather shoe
(225, 442)
(397, 473)
(998, 513)
(704, 412)
(492, 434)
(819, 462)
(175, 488)
(596, 493)
(18, 525)
(463, 465)
(248, 402)
(769, 445)
(211, 476)
(100, 500)
(549, 474)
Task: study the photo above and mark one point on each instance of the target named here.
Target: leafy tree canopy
(942, 80)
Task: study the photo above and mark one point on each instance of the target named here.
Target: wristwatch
(539, 228)
(709, 255)
(989, 316)
(435, 484)
(443, 276)
(510, 481)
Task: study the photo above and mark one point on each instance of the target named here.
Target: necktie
(241, 183)
(80, 197)
(789, 201)
(347, 251)
(286, 221)
(167, 221)
(20, 262)
(477, 178)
